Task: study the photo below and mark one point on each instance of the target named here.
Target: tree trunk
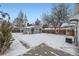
(55, 31)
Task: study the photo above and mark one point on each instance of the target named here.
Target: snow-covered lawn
(52, 40)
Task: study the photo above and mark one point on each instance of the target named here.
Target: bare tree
(60, 14)
(46, 19)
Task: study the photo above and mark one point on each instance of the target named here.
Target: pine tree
(25, 20)
(21, 20)
(46, 19)
(37, 22)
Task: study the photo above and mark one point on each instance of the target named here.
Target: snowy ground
(33, 40)
(36, 39)
(15, 49)
(52, 40)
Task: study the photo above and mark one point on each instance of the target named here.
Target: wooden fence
(61, 31)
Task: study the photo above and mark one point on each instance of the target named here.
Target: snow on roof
(49, 28)
(29, 27)
(62, 28)
(64, 24)
(72, 24)
(75, 17)
(68, 25)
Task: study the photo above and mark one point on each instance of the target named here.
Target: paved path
(44, 50)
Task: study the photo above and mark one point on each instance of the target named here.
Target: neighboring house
(28, 30)
(32, 29)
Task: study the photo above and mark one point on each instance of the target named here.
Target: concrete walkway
(44, 50)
